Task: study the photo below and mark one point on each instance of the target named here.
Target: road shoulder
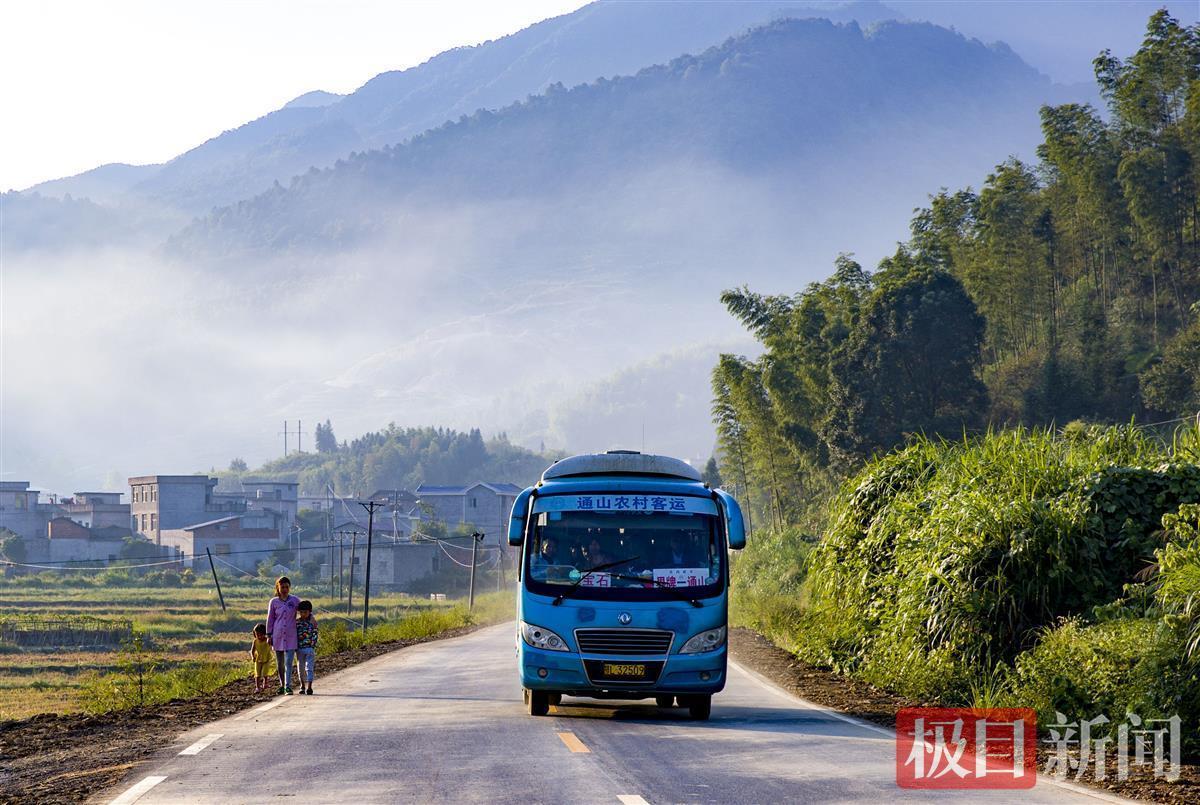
(69, 758)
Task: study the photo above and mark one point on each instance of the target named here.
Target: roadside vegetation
(924, 518)
(1051, 569)
(183, 644)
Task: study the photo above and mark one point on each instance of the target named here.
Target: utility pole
(330, 538)
(350, 587)
(370, 506)
(475, 538)
(285, 441)
(216, 581)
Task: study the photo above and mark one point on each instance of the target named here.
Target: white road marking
(200, 745)
(135, 793)
(778, 691)
(278, 700)
(631, 799)
(1042, 778)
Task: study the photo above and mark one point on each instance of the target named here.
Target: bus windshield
(639, 553)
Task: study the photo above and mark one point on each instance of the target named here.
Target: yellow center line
(572, 741)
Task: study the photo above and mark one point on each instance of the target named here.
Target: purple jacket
(281, 622)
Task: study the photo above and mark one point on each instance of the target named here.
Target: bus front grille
(624, 641)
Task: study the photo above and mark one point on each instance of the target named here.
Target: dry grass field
(182, 626)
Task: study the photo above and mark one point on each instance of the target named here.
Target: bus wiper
(672, 590)
(595, 569)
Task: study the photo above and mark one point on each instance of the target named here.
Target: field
(182, 625)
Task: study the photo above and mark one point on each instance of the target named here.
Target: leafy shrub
(1178, 581)
(1128, 665)
(944, 559)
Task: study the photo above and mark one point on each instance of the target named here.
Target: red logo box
(964, 748)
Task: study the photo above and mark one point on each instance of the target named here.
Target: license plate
(612, 669)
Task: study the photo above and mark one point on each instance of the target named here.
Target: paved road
(443, 722)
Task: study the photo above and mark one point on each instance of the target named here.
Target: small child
(261, 653)
(306, 645)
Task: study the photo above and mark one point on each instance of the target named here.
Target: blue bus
(623, 582)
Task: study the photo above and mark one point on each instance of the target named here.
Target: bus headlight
(705, 641)
(542, 638)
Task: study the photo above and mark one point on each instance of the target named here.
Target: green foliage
(12, 546)
(326, 441)
(1178, 581)
(945, 558)
(337, 635)
(403, 458)
(1126, 665)
(1085, 269)
(909, 366)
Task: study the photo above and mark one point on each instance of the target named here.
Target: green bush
(1127, 665)
(1178, 581)
(944, 559)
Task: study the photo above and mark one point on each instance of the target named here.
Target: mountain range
(528, 235)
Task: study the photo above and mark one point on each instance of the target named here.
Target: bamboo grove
(1062, 290)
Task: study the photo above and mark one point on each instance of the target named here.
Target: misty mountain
(602, 39)
(800, 105)
(547, 268)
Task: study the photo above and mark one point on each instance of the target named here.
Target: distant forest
(398, 458)
(1059, 291)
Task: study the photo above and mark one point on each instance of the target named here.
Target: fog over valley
(549, 266)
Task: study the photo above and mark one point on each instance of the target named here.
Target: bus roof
(621, 462)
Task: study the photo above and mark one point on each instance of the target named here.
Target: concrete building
(243, 540)
(21, 512)
(161, 503)
(483, 507)
(395, 566)
(68, 541)
(279, 496)
(97, 509)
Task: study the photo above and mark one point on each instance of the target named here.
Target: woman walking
(281, 630)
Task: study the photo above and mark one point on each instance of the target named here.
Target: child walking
(260, 652)
(306, 645)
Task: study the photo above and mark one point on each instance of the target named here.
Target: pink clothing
(281, 622)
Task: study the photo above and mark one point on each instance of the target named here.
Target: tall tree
(326, 441)
(909, 366)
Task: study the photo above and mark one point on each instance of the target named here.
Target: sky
(139, 81)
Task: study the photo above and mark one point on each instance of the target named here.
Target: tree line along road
(443, 722)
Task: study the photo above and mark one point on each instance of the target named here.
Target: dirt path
(869, 703)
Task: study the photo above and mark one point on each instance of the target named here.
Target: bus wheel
(664, 701)
(555, 699)
(699, 707)
(537, 702)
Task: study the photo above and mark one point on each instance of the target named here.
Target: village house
(68, 541)
(481, 507)
(97, 509)
(242, 540)
(22, 513)
(277, 496)
(161, 503)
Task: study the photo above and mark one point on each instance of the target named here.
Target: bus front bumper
(566, 672)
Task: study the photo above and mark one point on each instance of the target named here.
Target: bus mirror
(734, 523)
(516, 523)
